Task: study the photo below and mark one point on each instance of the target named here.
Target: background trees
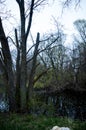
(80, 47)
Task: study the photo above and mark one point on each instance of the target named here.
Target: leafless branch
(40, 75)
(47, 47)
(11, 40)
(30, 18)
(18, 1)
(67, 3)
(35, 44)
(30, 48)
(39, 2)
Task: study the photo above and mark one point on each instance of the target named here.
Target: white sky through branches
(43, 18)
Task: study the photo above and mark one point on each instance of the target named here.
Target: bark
(8, 65)
(5, 75)
(32, 73)
(23, 59)
(17, 74)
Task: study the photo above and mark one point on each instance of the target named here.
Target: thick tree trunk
(8, 65)
(23, 77)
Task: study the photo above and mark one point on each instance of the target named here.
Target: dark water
(67, 103)
(72, 104)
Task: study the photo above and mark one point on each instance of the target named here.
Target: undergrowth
(32, 122)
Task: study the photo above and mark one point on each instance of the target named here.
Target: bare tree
(24, 35)
(26, 15)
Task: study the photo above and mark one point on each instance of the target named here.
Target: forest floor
(33, 122)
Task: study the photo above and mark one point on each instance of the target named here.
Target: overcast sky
(43, 19)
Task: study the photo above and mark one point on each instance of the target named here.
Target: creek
(69, 103)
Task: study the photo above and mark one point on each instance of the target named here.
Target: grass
(30, 122)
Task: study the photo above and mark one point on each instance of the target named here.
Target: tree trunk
(17, 74)
(23, 79)
(32, 73)
(8, 65)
